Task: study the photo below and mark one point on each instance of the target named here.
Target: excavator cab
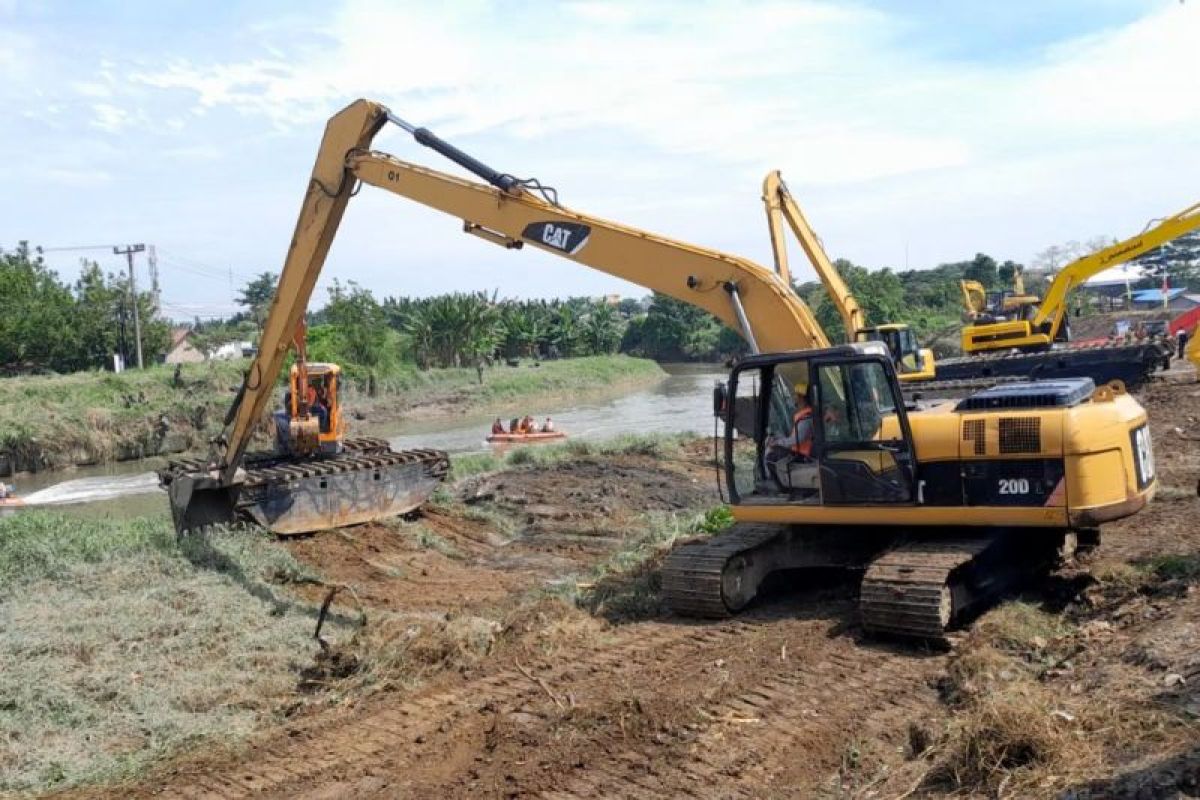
(911, 360)
(827, 427)
(314, 411)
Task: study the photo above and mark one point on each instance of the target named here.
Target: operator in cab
(802, 425)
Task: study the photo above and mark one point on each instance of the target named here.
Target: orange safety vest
(801, 448)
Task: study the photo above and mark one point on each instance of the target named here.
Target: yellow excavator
(982, 306)
(1049, 324)
(941, 505)
(913, 362)
(1017, 334)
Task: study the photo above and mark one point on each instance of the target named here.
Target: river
(679, 403)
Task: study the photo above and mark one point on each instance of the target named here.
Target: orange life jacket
(801, 447)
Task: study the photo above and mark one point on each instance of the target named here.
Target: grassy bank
(443, 392)
(93, 417)
(126, 644)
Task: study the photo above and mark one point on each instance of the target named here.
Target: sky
(912, 133)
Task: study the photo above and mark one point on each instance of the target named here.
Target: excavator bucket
(367, 482)
(199, 499)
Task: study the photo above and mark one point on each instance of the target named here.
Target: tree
(104, 320)
(100, 317)
(257, 295)
(601, 329)
(1007, 272)
(673, 330)
(360, 326)
(983, 269)
(37, 320)
(879, 293)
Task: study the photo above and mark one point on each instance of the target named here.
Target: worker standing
(1181, 338)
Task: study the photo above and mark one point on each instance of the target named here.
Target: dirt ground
(787, 700)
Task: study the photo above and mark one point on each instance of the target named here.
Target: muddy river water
(679, 403)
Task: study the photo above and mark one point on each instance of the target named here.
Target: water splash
(90, 490)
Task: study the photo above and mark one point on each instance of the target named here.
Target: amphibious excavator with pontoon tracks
(1010, 335)
(1018, 334)
(941, 505)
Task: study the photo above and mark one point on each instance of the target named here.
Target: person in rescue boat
(497, 426)
(548, 427)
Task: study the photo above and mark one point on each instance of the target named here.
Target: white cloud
(662, 115)
(78, 178)
(108, 117)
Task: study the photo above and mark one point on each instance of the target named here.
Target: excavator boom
(911, 361)
(781, 207)
(745, 296)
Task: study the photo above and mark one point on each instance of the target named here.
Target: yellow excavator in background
(942, 505)
(913, 363)
(1049, 324)
(981, 305)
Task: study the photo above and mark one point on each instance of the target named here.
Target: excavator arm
(781, 207)
(974, 298)
(912, 362)
(1054, 305)
(744, 295)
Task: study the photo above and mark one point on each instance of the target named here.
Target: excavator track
(704, 579)
(1131, 363)
(910, 590)
(360, 445)
(367, 481)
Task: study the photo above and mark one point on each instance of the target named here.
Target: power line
(75, 247)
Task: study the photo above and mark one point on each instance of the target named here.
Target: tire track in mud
(296, 765)
(857, 691)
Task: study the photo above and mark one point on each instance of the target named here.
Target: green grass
(1176, 567)
(502, 383)
(627, 584)
(124, 644)
(58, 420)
(654, 445)
(421, 536)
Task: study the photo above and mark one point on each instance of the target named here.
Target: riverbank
(521, 612)
(98, 417)
(137, 646)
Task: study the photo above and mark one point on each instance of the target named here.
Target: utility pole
(137, 323)
(152, 261)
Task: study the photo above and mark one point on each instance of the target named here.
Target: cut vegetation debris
(515, 645)
(124, 644)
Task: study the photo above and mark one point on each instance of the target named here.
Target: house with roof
(182, 351)
(1176, 299)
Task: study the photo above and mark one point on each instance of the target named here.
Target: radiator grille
(1020, 435)
(973, 431)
